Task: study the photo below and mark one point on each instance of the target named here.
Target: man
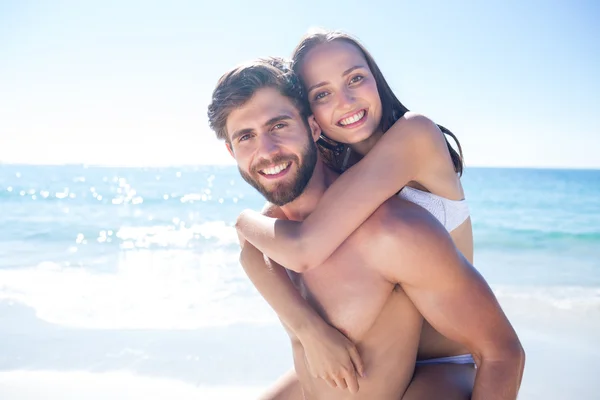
(257, 110)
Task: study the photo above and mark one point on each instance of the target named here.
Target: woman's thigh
(429, 382)
(441, 381)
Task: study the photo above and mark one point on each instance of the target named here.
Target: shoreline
(117, 385)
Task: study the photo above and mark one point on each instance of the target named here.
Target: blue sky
(128, 82)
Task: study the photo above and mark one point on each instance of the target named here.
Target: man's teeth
(276, 169)
(353, 118)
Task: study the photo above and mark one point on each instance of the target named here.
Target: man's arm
(329, 354)
(275, 286)
(452, 296)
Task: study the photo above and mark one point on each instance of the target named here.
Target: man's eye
(356, 78)
(244, 137)
(279, 126)
(321, 95)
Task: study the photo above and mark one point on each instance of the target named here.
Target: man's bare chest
(347, 291)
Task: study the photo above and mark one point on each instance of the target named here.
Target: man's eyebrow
(346, 72)
(241, 132)
(282, 117)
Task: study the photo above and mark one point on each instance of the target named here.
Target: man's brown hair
(238, 86)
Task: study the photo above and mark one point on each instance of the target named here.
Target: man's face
(275, 150)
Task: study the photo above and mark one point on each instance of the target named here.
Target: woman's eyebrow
(346, 72)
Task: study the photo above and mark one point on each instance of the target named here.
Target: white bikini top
(451, 213)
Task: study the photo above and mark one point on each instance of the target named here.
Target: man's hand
(333, 357)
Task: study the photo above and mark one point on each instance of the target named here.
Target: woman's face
(342, 92)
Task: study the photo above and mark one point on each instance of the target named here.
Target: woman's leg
(286, 388)
(441, 381)
(429, 382)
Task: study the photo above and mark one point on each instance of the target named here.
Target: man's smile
(276, 171)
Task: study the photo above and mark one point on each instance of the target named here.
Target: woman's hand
(333, 357)
(278, 238)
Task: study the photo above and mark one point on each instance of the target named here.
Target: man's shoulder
(400, 235)
(403, 223)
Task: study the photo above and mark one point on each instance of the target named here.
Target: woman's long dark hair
(392, 108)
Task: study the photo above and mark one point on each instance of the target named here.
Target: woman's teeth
(276, 169)
(353, 118)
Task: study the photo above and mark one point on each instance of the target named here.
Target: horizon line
(184, 165)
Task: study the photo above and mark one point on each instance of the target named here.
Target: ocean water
(135, 270)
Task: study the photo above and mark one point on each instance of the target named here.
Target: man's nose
(268, 147)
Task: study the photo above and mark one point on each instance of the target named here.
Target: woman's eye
(356, 79)
(321, 95)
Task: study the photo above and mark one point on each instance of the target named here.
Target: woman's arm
(409, 148)
(329, 354)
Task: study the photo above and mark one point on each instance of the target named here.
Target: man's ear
(315, 129)
(229, 148)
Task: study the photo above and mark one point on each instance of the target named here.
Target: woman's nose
(347, 98)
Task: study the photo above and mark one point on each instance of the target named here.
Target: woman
(394, 152)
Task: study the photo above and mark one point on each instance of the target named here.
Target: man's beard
(286, 192)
